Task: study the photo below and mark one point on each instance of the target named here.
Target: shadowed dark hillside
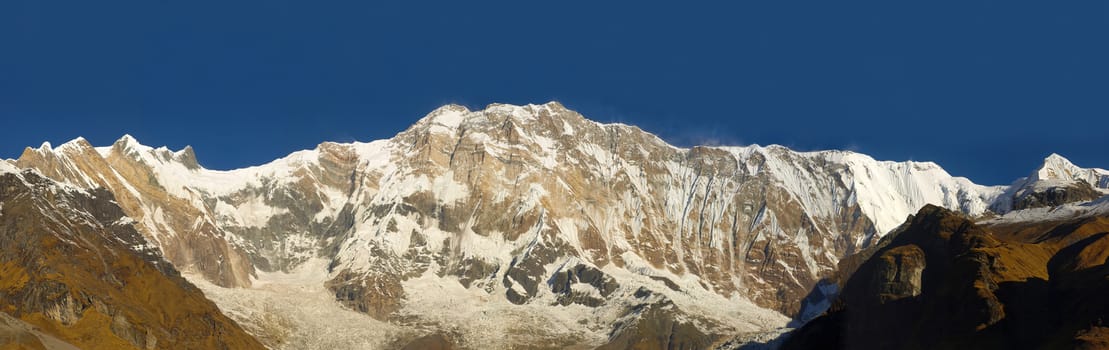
(946, 282)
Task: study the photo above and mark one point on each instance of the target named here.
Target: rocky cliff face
(167, 218)
(947, 282)
(1055, 195)
(533, 206)
(73, 266)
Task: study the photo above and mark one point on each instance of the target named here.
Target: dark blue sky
(985, 88)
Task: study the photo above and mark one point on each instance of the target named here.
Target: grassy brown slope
(69, 267)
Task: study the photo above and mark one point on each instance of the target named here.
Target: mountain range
(507, 227)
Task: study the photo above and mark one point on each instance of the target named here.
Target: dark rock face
(71, 265)
(525, 273)
(377, 295)
(945, 282)
(898, 273)
(1079, 191)
(377, 292)
(595, 285)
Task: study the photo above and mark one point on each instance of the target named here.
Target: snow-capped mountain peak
(127, 142)
(1056, 168)
(448, 116)
(502, 201)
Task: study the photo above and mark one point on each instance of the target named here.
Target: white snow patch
(6, 167)
(567, 129)
(255, 212)
(489, 321)
(297, 307)
(447, 190)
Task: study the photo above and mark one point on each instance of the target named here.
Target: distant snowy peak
(453, 116)
(550, 120)
(448, 116)
(885, 191)
(1056, 182)
(129, 146)
(554, 136)
(1057, 169)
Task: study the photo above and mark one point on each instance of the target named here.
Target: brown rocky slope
(947, 282)
(73, 267)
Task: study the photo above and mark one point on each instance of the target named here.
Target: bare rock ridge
(74, 273)
(544, 210)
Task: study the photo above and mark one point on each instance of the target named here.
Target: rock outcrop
(1047, 196)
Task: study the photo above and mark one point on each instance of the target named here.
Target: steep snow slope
(887, 192)
(531, 210)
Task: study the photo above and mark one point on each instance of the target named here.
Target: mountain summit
(535, 224)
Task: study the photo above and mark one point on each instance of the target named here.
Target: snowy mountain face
(1059, 169)
(532, 224)
(1056, 182)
